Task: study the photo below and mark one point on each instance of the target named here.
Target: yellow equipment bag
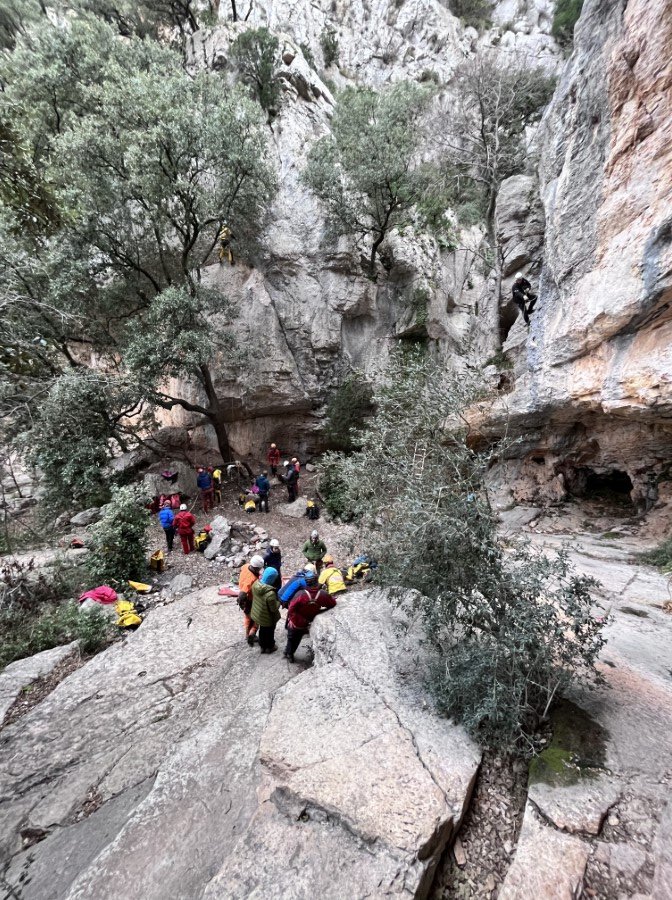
(127, 615)
(250, 506)
(140, 587)
(157, 561)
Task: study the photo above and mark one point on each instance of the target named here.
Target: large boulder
(86, 517)
(182, 764)
(221, 535)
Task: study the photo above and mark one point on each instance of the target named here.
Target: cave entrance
(612, 487)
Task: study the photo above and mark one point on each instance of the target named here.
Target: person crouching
(266, 609)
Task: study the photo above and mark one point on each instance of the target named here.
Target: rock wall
(307, 315)
(592, 377)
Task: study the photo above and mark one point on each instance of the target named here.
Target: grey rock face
(182, 763)
(23, 672)
(86, 517)
(221, 533)
(180, 584)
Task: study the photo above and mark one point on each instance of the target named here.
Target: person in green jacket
(266, 609)
(314, 549)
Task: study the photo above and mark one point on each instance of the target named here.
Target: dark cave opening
(613, 486)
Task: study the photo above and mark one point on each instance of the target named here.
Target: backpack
(312, 510)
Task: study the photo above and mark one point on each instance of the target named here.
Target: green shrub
(255, 52)
(308, 55)
(35, 616)
(509, 629)
(347, 411)
(329, 44)
(661, 556)
(119, 540)
(474, 13)
(566, 16)
(334, 490)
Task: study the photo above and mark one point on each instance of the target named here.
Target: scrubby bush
(566, 16)
(660, 556)
(308, 55)
(255, 52)
(329, 44)
(510, 628)
(333, 489)
(347, 410)
(119, 540)
(474, 13)
(35, 615)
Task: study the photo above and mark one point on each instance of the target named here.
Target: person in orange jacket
(248, 575)
(184, 523)
(273, 459)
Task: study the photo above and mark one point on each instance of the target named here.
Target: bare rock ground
(181, 763)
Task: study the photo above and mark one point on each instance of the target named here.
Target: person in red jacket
(184, 523)
(273, 459)
(305, 605)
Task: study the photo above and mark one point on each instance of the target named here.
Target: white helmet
(183, 506)
(519, 275)
(286, 462)
(313, 534)
(275, 543)
(310, 569)
(257, 562)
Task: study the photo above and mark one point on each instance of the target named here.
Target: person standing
(266, 609)
(264, 486)
(205, 486)
(273, 559)
(314, 549)
(290, 478)
(184, 523)
(273, 459)
(296, 465)
(305, 606)
(167, 519)
(217, 485)
(249, 574)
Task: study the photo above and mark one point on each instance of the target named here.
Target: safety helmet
(310, 576)
(309, 569)
(313, 534)
(183, 507)
(257, 562)
(273, 447)
(519, 275)
(275, 542)
(294, 459)
(328, 560)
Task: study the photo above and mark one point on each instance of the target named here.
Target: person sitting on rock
(304, 607)
(290, 478)
(314, 549)
(248, 575)
(521, 291)
(273, 459)
(264, 486)
(266, 609)
(331, 578)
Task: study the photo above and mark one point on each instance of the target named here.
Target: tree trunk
(216, 414)
(234, 11)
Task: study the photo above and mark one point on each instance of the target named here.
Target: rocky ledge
(182, 763)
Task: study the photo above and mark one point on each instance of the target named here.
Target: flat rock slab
(182, 763)
(548, 865)
(295, 510)
(579, 807)
(18, 675)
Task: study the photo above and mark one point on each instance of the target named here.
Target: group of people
(291, 471)
(262, 596)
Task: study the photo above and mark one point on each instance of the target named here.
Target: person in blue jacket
(264, 486)
(295, 584)
(166, 518)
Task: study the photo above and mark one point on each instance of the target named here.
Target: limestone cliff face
(593, 378)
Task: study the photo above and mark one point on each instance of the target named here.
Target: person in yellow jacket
(331, 578)
(225, 237)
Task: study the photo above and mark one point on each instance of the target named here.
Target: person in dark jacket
(167, 518)
(273, 559)
(264, 486)
(306, 605)
(205, 485)
(266, 609)
(290, 478)
(521, 291)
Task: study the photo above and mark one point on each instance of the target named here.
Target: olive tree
(510, 628)
(369, 172)
(146, 163)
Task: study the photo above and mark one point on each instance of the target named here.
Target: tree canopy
(130, 168)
